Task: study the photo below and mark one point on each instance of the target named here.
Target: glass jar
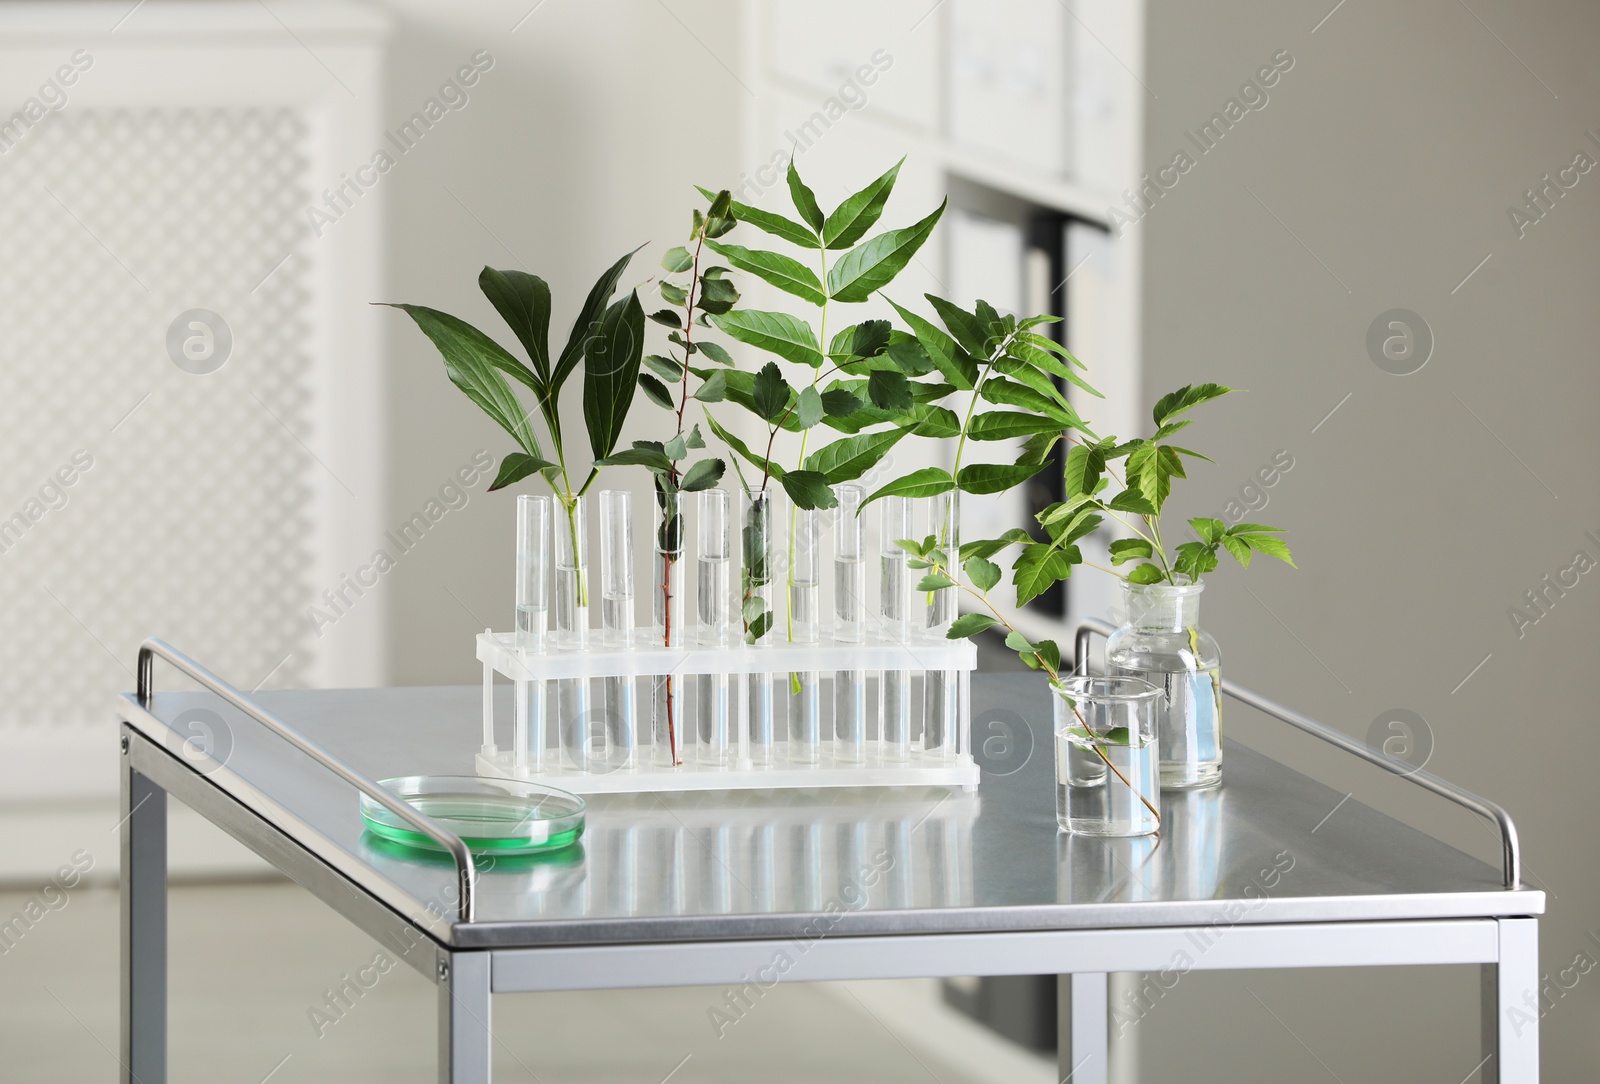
(1106, 776)
(1163, 643)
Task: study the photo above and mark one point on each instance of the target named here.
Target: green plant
(607, 338)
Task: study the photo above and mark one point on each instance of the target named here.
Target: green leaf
(515, 467)
(909, 356)
(1190, 395)
(702, 475)
(1006, 424)
(771, 392)
(954, 363)
(805, 201)
(848, 458)
(667, 317)
(473, 360)
(715, 352)
(937, 422)
(809, 489)
(998, 389)
(1036, 449)
(964, 326)
(927, 482)
(860, 342)
(786, 274)
(1047, 363)
(656, 391)
(1131, 500)
(775, 224)
(642, 454)
(677, 259)
(969, 625)
(1209, 530)
(523, 301)
(995, 477)
(1084, 464)
(1170, 428)
(809, 409)
(742, 450)
(889, 391)
(988, 547)
(1146, 573)
(1043, 383)
(1038, 568)
(1268, 544)
(1195, 559)
(664, 367)
(983, 573)
(789, 337)
(1050, 651)
(1124, 550)
(935, 581)
(872, 265)
(713, 389)
(590, 320)
(1239, 549)
(851, 220)
(839, 402)
(1117, 735)
(758, 628)
(1254, 528)
(673, 294)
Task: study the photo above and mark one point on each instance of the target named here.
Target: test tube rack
(728, 666)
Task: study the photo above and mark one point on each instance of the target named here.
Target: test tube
(666, 593)
(758, 525)
(805, 710)
(894, 607)
(616, 619)
(849, 616)
(715, 617)
(572, 631)
(940, 696)
(533, 610)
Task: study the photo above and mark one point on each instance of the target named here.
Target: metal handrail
(466, 874)
(1511, 851)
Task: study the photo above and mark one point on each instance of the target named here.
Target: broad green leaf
(1170, 428)
(677, 448)
(693, 439)
(1146, 573)
(656, 392)
(1006, 424)
(1195, 559)
(789, 337)
(867, 339)
(1117, 735)
(954, 363)
(1131, 500)
(715, 352)
(1043, 383)
(889, 391)
(770, 393)
(640, 455)
(775, 224)
(1084, 464)
(673, 294)
(1190, 395)
(927, 482)
(969, 625)
(983, 573)
(1239, 549)
(988, 547)
(809, 409)
(809, 489)
(713, 389)
(1036, 449)
(848, 458)
(935, 581)
(1045, 342)
(1039, 568)
(1271, 545)
(936, 422)
(838, 402)
(717, 296)
(805, 201)
(1209, 530)
(473, 360)
(702, 475)
(719, 216)
(664, 367)
(667, 317)
(515, 467)
(677, 259)
(589, 322)
(963, 326)
(523, 301)
(786, 274)
(873, 264)
(1124, 550)
(851, 220)
(995, 477)
(1050, 651)
(997, 389)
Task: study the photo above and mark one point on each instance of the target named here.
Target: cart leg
(1081, 1034)
(144, 928)
(1511, 1006)
(464, 1030)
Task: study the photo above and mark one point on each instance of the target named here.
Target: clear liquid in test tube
(805, 591)
(714, 615)
(617, 617)
(849, 617)
(532, 629)
(894, 611)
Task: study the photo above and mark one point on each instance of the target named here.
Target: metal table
(745, 890)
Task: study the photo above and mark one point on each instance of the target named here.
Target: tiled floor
(250, 962)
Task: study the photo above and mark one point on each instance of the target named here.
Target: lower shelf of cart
(921, 770)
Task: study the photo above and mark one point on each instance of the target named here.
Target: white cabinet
(843, 55)
(1009, 85)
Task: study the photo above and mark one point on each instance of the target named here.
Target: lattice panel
(194, 521)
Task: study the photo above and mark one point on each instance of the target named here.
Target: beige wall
(1390, 153)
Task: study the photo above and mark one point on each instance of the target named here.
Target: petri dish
(492, 816)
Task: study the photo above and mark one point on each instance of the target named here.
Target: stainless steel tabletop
(839, 862)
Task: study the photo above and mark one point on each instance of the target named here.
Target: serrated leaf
(954, 363)
(969, 625)
(805, 201)
(775, 224)
(927, 482)
(858, 342)
(935, 581)
(889, 391)
(873, 264)
(1194, 559)
(770, 393)
(809, 409)
(702, 475)
(851, 220)
(964, 327)
(1010, 393)
(789, 337)
(848, 458)
(1145, 573)
(1050, 651)
(676, 448)
(838, 402)
(1084, 464)
(995, 477)
(1254, 528)
(717, 296)
(809, 489)
(1038, 568)
(1131, 500)
(1239, 549)
(788, 275)
(656, 391)
(983, 573)
(1124, 550)
(515, 467)
(936, 422)
(667, 317)
(1007, 424)
(1268, 544)
(1186, 397)
(716, 352)
(988, 547)
(1210, 530)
